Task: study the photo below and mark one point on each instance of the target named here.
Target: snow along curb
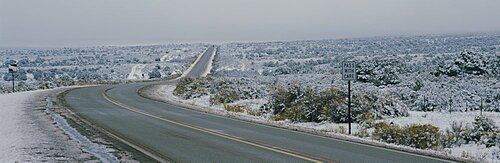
(147, 92)
(102, 152)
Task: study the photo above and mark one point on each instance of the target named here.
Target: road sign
(349, 70)
(12, 68)
(349, 74)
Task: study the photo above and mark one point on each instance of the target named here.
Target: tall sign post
(12, 70)
(349, 74)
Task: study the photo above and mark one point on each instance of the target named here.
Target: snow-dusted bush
(379, 104)
(154, 74)
(388, 133)
(366, 120)
(380, 71)
(418, 136)
(470, 62)
(283, 98)
(458, 134)
(481, 127)
(304, 104)
(331, 104)
(422, 136)
(491, 139)
(224, 95)
(188, 88)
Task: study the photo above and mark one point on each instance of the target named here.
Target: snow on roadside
(14, 132)
(136, 72)
(28, 132)
(442, 120)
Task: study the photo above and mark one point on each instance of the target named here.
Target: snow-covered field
(421, 78)
(31, 132)
(56, 67)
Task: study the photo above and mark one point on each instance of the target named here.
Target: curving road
(172, 133)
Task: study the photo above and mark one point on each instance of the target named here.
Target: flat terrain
(173, 133)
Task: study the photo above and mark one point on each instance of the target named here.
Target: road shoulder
(124, 152)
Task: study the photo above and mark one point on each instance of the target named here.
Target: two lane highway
(177, 134)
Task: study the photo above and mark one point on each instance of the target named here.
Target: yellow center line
(268, 147)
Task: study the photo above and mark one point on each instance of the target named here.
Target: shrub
(188, 88)
(418, 136)
(278, 117)
(329, 105)
(379, 105)
(294, 113)
(363, 132)
(366, 120)
(225, 95)
(388, 133)
(234, 108)
(283, 98)
(422, 136)
(491, 139)
(482, 126)
(457, 135)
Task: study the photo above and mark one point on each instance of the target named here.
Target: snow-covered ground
(137, 73)
(31, 132)
(442, 120)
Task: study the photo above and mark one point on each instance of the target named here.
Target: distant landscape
(443, 88)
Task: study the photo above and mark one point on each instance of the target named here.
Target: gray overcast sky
(55, 23)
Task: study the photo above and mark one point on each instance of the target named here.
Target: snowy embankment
(31, 132)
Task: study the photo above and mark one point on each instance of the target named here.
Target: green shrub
(188, 88)
(389, 133)
(366, 120)
(418, 136)
(234, 108)
(422, 136)
(226, 95)
(294, 113)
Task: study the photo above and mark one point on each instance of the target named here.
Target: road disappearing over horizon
(169, 132)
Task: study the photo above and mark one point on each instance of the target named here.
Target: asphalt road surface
(173, 133)
(203, 63)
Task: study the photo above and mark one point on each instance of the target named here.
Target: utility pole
(349, 73)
